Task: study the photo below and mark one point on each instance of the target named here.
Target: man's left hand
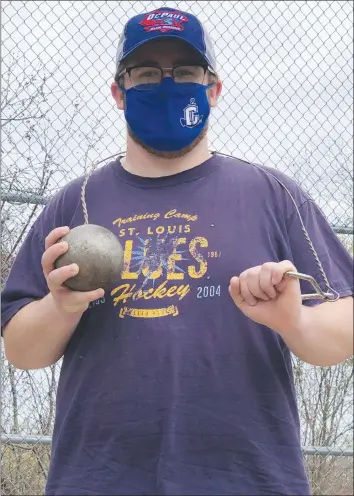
(267, 296)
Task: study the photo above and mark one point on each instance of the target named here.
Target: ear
(214, 93)
(118, 96)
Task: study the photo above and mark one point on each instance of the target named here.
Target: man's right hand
(67, 301)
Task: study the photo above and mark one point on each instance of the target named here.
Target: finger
(51, 254)
(253, 284)
(288, 282)
(56, 234)
(265, 281)
(235, 291)
(246, 293)
(67, 297)
(279, 269)
(94, 295)
(57, 277)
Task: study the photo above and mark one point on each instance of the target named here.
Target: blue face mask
(169, 117)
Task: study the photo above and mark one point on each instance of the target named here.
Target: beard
(169, 154)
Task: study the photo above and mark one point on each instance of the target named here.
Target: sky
(286, 68)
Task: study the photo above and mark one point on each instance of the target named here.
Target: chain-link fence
(287, 102)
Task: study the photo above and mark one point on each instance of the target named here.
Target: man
(178, 380)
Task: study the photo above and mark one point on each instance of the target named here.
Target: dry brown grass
(24, 471)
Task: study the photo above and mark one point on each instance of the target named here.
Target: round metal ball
(99, 255)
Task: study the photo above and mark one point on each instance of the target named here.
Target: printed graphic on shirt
(163, 253)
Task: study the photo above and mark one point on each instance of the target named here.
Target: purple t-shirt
(166, 387)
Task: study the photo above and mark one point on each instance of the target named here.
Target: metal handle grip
(319, 294)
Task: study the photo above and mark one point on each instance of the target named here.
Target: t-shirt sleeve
(335, 259)
(26, 281)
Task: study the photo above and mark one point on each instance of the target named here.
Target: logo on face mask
(191, 117)
(163, 21)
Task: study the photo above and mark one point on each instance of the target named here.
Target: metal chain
(331, 295)
(84, 184)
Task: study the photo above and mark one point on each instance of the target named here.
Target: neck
(140, 162)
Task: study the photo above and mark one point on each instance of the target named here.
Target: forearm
(324, 335)
(38, 334)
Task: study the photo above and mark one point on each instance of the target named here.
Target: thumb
(235, 291)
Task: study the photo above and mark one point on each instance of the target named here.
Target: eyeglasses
(145, 78)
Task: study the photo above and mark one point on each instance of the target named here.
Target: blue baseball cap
(165, 23)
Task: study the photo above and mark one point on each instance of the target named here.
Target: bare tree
(35, 147)
(325, 171)
(340, 158)
(325, 397)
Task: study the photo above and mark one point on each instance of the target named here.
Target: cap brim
(165, 35)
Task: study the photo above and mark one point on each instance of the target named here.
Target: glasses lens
(189, 74)
(145, 78)
(148, 78)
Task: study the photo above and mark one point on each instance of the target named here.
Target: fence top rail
(32, 199)
(47, 440)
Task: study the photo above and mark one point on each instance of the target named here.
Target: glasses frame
(163, 70)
